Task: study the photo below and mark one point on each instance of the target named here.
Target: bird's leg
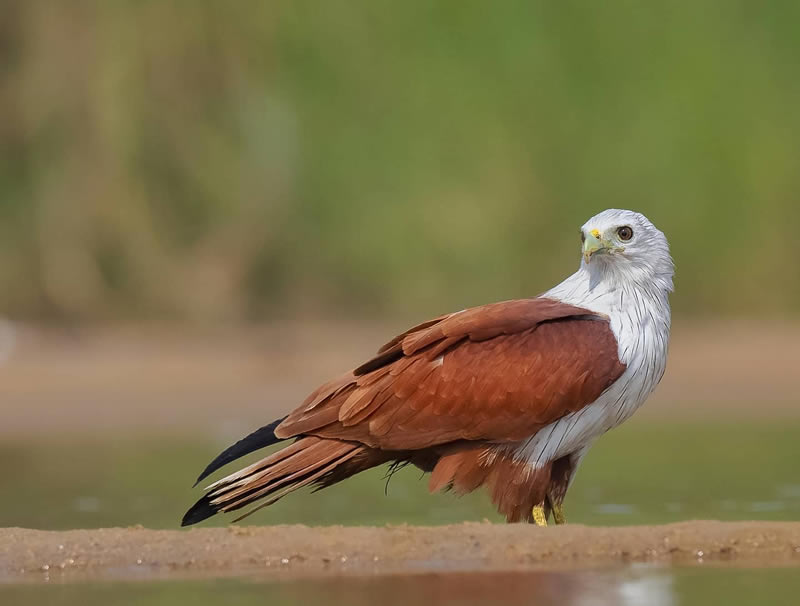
(539, 517)
(558, 514)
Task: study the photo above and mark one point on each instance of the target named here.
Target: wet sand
(301, 551)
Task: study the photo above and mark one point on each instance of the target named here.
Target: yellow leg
(538, 515)
(558, 514)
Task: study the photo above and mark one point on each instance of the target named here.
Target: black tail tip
(260, 438)
(202, 510)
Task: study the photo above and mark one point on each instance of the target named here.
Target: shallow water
(643, 472)
(638, 585)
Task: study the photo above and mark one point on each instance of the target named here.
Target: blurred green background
(243, 163)
(334, 168)
(294, 158)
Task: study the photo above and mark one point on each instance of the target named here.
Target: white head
(623, 246)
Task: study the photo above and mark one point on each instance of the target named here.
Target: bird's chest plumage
(643, 338)
(641, 327)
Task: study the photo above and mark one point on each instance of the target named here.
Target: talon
(538, 515)
(558, 514)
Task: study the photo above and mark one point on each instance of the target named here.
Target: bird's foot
(558, 514)
(539, 517)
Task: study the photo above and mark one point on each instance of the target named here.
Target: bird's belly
(579, 429)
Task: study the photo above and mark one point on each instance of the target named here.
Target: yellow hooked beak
(594, 243)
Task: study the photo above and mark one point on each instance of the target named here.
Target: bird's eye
(625, 233)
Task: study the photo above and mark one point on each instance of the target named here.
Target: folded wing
(495, 373)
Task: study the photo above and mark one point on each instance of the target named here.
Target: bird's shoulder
(478, 324)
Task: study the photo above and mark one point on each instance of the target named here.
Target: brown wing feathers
(446, 391)
(485, 382)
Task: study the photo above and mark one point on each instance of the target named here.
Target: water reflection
(622, 587)
(637, 585)
(654, 588)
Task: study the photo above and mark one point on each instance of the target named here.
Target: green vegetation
(643, 473)
(229, 161)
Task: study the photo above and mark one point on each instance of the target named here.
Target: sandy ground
(225, 382)
(300, 551)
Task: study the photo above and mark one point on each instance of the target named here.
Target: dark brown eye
(625, 233)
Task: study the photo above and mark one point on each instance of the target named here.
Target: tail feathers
(260, 438)
(308, 460)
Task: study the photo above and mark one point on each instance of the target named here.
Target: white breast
(640, 320)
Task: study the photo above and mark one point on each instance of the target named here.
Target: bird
(509, 395)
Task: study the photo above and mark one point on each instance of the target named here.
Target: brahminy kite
(509, 395)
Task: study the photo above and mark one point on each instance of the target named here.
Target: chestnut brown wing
(497, 373)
